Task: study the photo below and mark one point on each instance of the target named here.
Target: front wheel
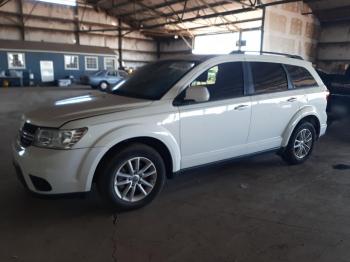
(133, 177)
(103, 86)
(300, 144)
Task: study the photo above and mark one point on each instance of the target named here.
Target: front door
(47, 71)
(217, 129)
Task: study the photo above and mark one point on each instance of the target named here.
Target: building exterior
(48, 62)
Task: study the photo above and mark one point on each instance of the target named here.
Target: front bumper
(65, 171)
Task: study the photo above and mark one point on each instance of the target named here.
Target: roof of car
(202, 58)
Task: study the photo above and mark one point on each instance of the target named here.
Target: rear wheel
(133, 177)
(300, 144)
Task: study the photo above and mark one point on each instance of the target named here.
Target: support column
(76, 24)
(240, 41)
(262, 30)
(120, 44)
(22, 26)
(158, 48)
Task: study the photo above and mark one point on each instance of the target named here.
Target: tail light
(327, 94)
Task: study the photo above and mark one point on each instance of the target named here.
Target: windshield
(154, 80)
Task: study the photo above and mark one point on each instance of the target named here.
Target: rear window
(268, 77)
(301, 77)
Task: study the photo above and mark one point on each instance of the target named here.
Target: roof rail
(268, 53)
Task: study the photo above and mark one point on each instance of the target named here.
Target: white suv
(172, 115)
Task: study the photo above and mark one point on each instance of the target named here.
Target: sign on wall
(47, 73)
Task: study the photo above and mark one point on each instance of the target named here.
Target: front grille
(26, 134)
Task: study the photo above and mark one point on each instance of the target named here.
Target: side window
(268, 77)
(301, 77)
(207, 78)
(123, 74)
(223, 81)
(111, 73)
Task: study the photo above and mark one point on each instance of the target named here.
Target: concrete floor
(253, 210)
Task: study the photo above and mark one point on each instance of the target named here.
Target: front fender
(302, 113)
(116, 136)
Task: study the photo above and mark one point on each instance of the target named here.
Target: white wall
(288, 30)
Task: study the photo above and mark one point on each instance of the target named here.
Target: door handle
(241, 107)
(292, 99)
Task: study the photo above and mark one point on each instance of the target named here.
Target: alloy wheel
(135, 179)
(303, 143)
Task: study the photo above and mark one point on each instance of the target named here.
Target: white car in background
(170, 116)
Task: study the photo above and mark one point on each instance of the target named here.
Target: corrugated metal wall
(57, 23)
(334, 47)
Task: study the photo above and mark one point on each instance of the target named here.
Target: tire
(296, 152)
(103, 86)
(118, 169)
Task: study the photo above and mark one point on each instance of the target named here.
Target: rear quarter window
(301, 77)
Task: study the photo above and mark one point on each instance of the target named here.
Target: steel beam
(231, 12)
(223, 24)
(154, 7)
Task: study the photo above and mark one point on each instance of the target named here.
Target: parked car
(339, 100)
(172, 115)
(104, 78)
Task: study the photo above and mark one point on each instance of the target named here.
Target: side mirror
(197, 94)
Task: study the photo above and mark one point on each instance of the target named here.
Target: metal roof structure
(196, 17)
(188, 17)
(330, 11)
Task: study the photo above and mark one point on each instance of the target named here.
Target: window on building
(300, 77)
(91, 63)
(268, 77)
(16, 61)
(110, 63)
(223, 81)
(71, 62)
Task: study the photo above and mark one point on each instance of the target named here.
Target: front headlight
(59, 139)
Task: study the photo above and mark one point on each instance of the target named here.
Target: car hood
(62, 111)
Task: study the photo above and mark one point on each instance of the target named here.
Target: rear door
(274, 103)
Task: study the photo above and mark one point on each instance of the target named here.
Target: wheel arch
(103, 81)
(314, 121)
(306, 114)
(155, 143)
